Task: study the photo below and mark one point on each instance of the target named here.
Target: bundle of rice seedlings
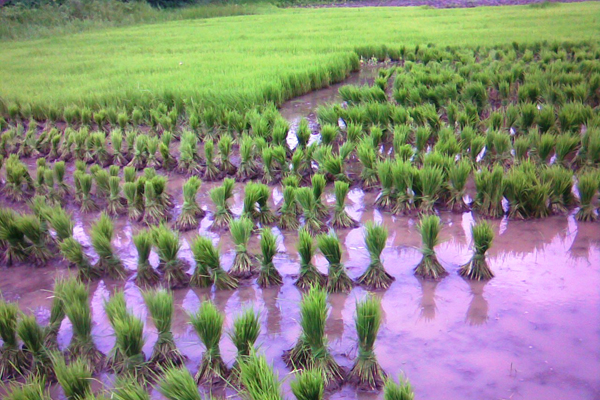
(258, 379)
(207, 254)
(587, 186)
(341, 219)
(57, 314)
(18, 183)
(527, 196)
(169, 162)
(312, 221)
(101, 235)
(146, 274)
(247, 168)
(211, 172)
(75, 378)
(318, 183)
(309, 275)
(311, 351)
(36, 239)
(190, 210)
(62, 189)
(129, 331)
(40, 187)
(246, 328)
(152, 148)
(265, 215)
(167, 246)
(366, 373)
(116, 203)
(208, 324)
(303, 133)
(131, 195)
(338, 279)
(72, 251)
(187, 161)
(220, 195)
(13, 361)
(309, 385)
(375, 277)
(140, 152)
(129, 174)
(154, 212)
(490, 192)
(12, 238)
(34, 388)
(32, 335)
(115, 308)
(477, 268)
(116, 137)
(288, 211)
(403, 177)
(398, 391)
(86, 203)
(565, 145)
(561, 188)
(385, 199)
(268, 172)
(178, 384)
(457, 181)
(128, 388)
(429, 184)
(268, 276)
(102, 185)
(244, 263)
(160, 306)
(251, 195)
(225, 146)
(429, 267)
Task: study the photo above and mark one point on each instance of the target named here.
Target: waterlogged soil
(445, 3)
(532, 332)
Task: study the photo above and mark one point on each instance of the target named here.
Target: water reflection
(270, 296)
(477, 313)
(427, 306)
(334, 328)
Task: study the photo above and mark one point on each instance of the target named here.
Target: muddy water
(532, 332)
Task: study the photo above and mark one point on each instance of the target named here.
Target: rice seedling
(311, 350)
(18, 183)
(32, 335)
(561, 188)
(247, 169)
(35, 245)
(429, 185)
(207, 254)
(367, 374)
(62, 189)
(341, 219)
(458, 175)
(12, 238)
(334, 166)
(251, 194)
(116, 203)
(130, 191)
(129, 331)
(154, 211)
(127, 388)
(309, 385)
(477, 268)
(225, 146)
(160, 306)
(565, 145)
(268, 275)
(587, 186)
(40, 186)
(527, 196)
(245, 332)
(220, 195)
(72, 251)
(101, 234)
(318, 183)
(265, 215)
(303, 133)
(13, 361)
(385, 199)
(152, 148)
(75, 378)
(288, 211)
(116, 138)
(429, 267)
(169, 163)
(398, 391)
(129, 174)
(85, 184)
(211, 171)
(57, 314)
(140, 152)
(375, 277)
(312, 221)
(167, 246)
(490, 192)
(178, 384)
(268, 170)
(208, 324)
(34, 388)
(258, 380)
(338, 279)
(187, 156)
(190, 210)
(243, 263)
(309, 275)
(146, 275)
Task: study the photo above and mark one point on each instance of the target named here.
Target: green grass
(243, 60)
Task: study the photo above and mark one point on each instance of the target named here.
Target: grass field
(239, 59)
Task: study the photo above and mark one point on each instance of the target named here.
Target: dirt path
(446, 3)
